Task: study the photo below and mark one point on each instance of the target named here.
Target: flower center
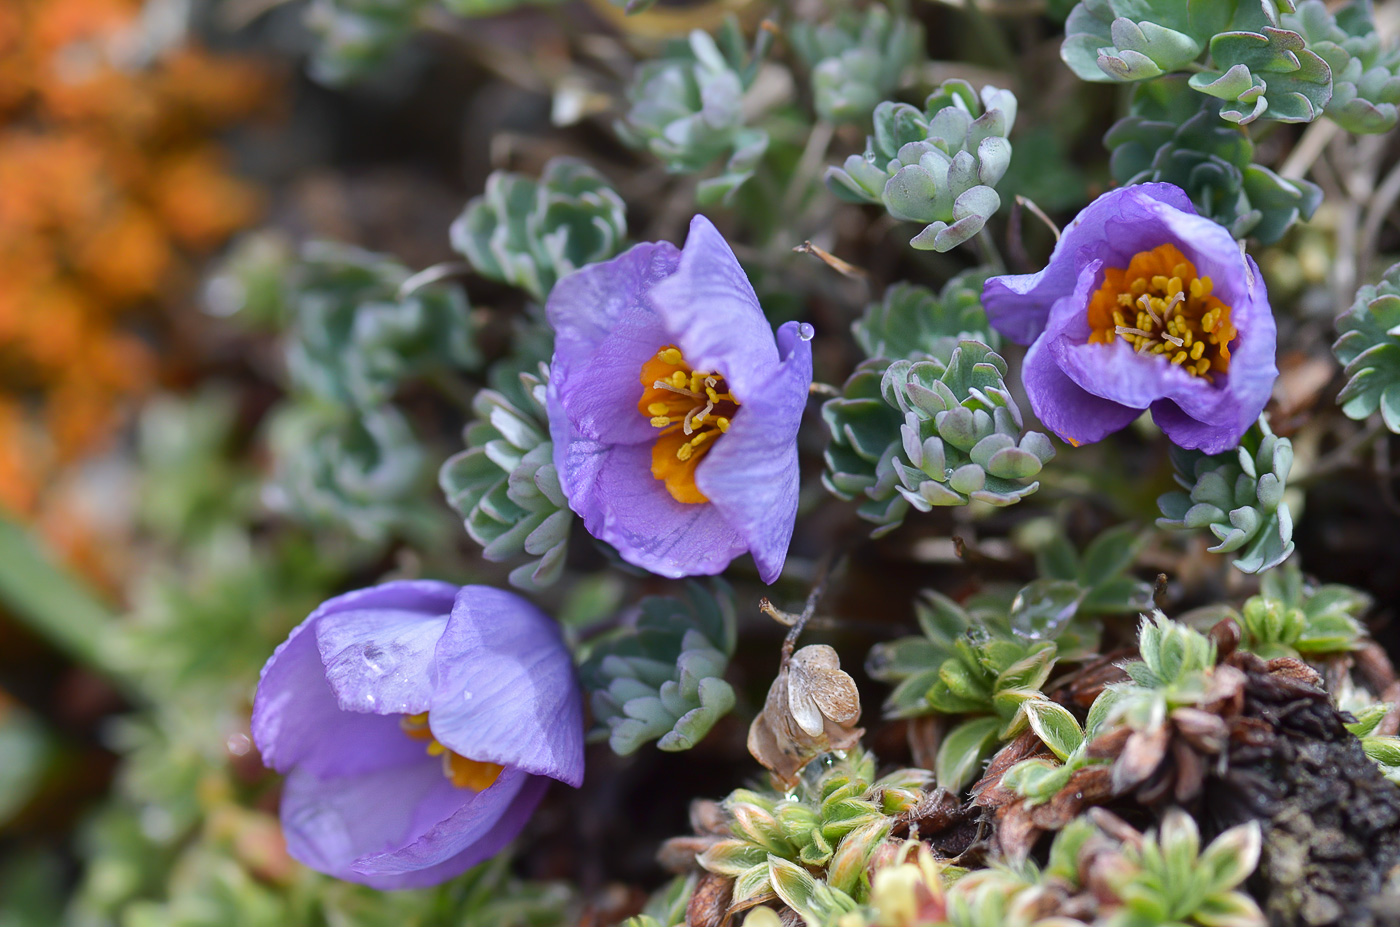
(692, 409)
(463, 773)
(1159, 305)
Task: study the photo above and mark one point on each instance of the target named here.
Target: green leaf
(1055, 726)
(963, 751)
(662, 679)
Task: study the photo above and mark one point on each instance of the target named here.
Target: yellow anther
(1159, 305)
(691, 408)
(700, 439)
(462, 772)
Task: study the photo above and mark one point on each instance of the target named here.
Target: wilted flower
(674, 413)
(812, 707)
(1144, 305)
(419, 724)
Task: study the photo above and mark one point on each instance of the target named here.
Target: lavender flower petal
(1085, 390)
(604, 330)
(380, 660)
(710, 306)
(1112, 229)
(701, 302)
(751, 476)
(297, 719)
(331, 823)
(505, 690)
(478, 830)
(367, 802)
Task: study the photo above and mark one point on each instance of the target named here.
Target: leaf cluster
(938, 166)
(662, 677)
(688, 109)
(830, 824)
(529, 232)
(1368, 347)
(505, 484)
(937, 433)
(1239, 496)
(856, 60)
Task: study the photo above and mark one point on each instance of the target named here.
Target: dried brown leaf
(709, 903)
(678, 854)
(1203, 730)
(1142, 754)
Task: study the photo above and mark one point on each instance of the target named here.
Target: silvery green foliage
(1238, 495)
(931, 432)
(923, 435)
(1187, 144)
(354, 334)
(938, 166)
(354, 37)
(984, 663)
(935, 433)
(867, 422)
(1291, 617)
(831, 823)
(856, 60)
(911, 320)
(358, 468)
(859, 456)
(529, 233)
(356, 329)
(1365, 76)
(1239, 52)
(663, 677)
(504, 484)
(687, 109)
(962, 437)
(1368, 347)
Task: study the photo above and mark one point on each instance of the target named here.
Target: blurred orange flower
(112, 187)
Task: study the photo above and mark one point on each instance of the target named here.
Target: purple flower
(673, 411)
(1144, 305)
(418, 724)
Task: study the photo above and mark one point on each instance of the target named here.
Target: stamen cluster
(1159, 305)
(693, 408)
(463, 773)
